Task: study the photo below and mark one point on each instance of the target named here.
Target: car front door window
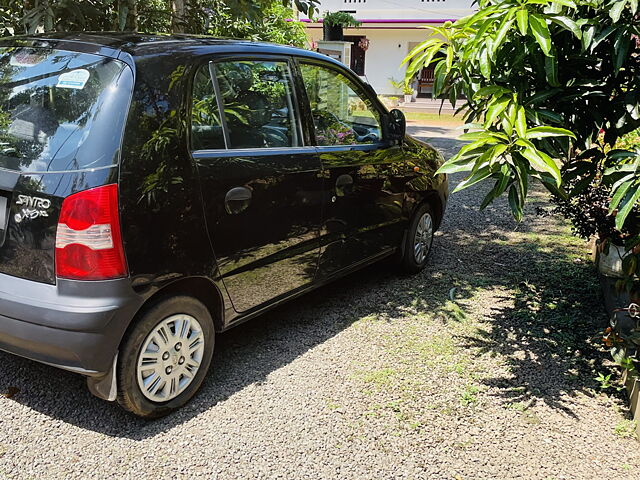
(341, 114)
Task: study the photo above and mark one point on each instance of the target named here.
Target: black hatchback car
(155, 190)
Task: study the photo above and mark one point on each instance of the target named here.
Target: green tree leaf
(462, 165)
(587, 37)
(421, 48)
(566, 3)
(515, 203)
(616, 10)
(541, 33)
(491, 90)
(502, 32)
(551, 69)
(498, 189)
(619, 194)
(496, 153)
(628, 203)
(621, 48)
(568, 24)
(480, 175)
(496, 109)
(485, 63)
(521, 123)
(523, 21)
(542, 163)
(543, 132)
(522, 176)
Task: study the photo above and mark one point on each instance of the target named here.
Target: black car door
(363, 188)
(261, 185)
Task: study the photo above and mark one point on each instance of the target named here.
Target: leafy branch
(541, 80)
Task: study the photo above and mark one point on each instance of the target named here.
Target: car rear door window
(257, 101)
(342, 115)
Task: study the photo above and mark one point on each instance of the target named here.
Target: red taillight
(88, 240)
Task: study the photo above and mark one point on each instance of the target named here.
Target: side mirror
(397, 126)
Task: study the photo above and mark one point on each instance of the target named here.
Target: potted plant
(407, 91)
(334, 23)
(405, 87)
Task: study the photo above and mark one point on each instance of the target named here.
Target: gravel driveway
(481, 367)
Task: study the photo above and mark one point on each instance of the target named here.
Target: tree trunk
(128, 15)
(178, 11)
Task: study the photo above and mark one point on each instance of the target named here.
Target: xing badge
(32, 208)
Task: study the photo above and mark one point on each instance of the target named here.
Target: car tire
(418, 240)
(165, 357)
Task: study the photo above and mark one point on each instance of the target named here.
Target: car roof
(140, 44)
(132, 48)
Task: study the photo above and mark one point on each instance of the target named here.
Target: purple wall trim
(377, 28)
(394, 20)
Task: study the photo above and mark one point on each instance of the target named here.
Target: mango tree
(551, 88)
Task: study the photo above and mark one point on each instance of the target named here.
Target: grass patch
(625, 429)
(469, 395)
(517, 406)
(379, 377)
(441, 346)
(428, 118)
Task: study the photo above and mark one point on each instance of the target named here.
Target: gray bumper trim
(76, 326)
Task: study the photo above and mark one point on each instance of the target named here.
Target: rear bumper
(73, 325)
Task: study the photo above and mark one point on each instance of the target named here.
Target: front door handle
(237, 200)
(344, 185)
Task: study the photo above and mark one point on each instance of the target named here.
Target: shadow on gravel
(543, 332)
(547, 330)
(244, 356)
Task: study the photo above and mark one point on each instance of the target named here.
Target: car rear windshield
(60, 110)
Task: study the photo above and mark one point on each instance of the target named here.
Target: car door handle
(344, 185)
(237, 200)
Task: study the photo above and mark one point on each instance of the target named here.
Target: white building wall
(393, 27)
(387, 50)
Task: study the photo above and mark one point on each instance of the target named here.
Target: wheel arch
(432, 197)
(200, 288)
